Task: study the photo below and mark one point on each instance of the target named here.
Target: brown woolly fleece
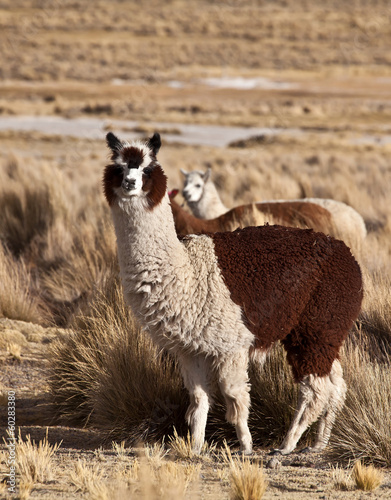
(294, 285)
(289, 213)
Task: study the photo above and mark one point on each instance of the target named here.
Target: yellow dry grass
(182, 447)
(35, 461)
(86, 478)
(341, 479)
(14, 350)
(367, 478)
(247, 479)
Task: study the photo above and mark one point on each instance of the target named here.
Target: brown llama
(294, 214)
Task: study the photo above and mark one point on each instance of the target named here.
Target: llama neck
(146, 241)
(210, 205)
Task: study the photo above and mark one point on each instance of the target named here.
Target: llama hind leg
(335, 403)
(313, 398)
(234, 386)
(196, 373)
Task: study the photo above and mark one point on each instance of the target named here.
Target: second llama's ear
(113, 142)
(154, 143)
(207, 174)
(183, 172)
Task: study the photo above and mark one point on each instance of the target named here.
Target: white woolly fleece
(176, 289)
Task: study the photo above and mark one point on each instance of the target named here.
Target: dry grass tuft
(155, 454)
(362, 428)
(17, 298)
(109, 374)
(34, 462)
(183, 447)
(48, 234)
(129, 473)
(376, 313)
(25, 488)
(86, 478)
(341, 479)
(119, 449)
(367, 478)
(157, 479)
(247, 479)
(14, 350)
(170, 481)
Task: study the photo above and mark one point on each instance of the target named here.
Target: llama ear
(113, 142)
(207, 174)
(183, 172)
(154, 143)
(173, 193)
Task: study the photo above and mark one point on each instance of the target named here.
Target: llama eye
(198, 185)
(147, 170)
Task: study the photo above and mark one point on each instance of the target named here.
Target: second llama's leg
(233, 383)
(196, 372)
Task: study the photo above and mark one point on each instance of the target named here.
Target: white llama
(201, 195)
(214, 299)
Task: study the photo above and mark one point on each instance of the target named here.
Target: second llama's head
(135, 172)
(194, 184)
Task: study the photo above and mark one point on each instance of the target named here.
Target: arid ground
(314, 78)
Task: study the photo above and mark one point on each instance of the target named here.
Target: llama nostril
(128, 184)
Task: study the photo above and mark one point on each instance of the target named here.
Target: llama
(215, 299)
(201, 195)
(347, 223)
(296, 213)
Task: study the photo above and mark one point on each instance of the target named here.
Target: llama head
(135, 172)
(194, 184)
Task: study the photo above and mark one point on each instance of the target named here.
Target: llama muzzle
(128, 184)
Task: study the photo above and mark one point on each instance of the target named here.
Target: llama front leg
(195, 372)
(234, 386)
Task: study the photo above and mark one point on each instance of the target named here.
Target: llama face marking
(135, 172)
(194, 185)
